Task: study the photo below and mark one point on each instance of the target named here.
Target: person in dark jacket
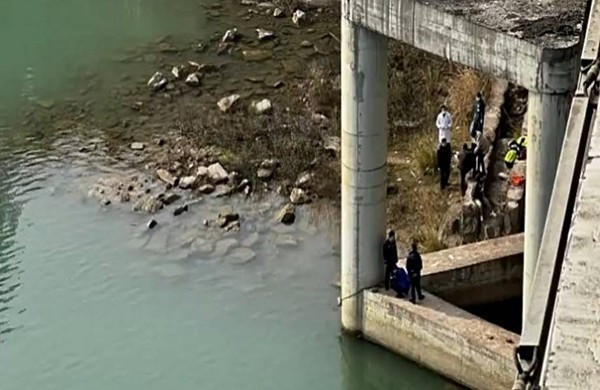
(444, 160)
(414, 265)
(466, 163)
(390, 257)
(478, 115)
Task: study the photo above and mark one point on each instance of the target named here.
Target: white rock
(166, 176)
(227, 102)
(278, 13)
(230, 35)
(304, 180)
(287, 215)
(137, 146)
(264, 173)
(270, 163)
(217, 173)
(265, 4)
(202, 171)
(187, 182)
(157, 81)
(298, 17)
(299, 196)
(264, 34)
(175, 72)
(192, 80)
(262, 107)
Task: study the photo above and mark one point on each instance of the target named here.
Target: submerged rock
(286, 241)
(287, 215)
(241, 256)
(137, 146)
(148, 204)
(193, 80)
(223, 220)
(262, 107)
(257, 55)
(264, 34)
(169, 198)
(157, 81)
(226, 103)
(180, 210)
(231, 35)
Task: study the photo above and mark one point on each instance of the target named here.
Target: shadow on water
(369, 367)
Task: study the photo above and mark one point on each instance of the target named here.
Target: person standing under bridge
(478, 116)
(444, 125)
(390, 257)
(414, 265)
(444, 161)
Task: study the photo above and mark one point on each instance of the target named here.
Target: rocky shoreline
(242, 113)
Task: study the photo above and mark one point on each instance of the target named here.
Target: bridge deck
(574, 344)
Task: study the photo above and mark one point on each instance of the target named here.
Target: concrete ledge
(476, 274)
(432, 29)
(443, 338)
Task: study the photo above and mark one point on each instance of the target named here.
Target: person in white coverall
(444, 125)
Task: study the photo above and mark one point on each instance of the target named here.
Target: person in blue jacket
(400, 282)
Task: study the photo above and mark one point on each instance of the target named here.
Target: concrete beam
(449, 35)
(476, 274)
(443, 338)
(364, 158)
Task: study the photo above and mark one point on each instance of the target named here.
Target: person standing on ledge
(390, 257)
(478, 117)
(444, 160)
(444, 125)
(414, 265)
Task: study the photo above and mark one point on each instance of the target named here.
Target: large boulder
(166, 177)
(299, 196)
(217, 173)
(148, 204)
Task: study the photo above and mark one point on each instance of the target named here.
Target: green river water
(91, 300)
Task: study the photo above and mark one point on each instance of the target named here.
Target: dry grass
(463, 88)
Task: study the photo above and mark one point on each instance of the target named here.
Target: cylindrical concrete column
(364, 155)
(547, 117)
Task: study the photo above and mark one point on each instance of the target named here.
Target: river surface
(90, 299)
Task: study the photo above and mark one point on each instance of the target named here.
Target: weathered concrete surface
(573, 354)
(476, 274)
(548, 23)
(547, 66)
(443, 338)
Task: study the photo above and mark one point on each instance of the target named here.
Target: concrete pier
(547, 114)
(364, 156)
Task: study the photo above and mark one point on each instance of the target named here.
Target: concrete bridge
(499, 38)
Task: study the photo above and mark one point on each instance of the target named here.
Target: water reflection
(368, 367)
(10, 211)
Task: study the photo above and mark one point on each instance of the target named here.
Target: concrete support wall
(547, 116)
(443, 338)
(364, 155)
(476, 274)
